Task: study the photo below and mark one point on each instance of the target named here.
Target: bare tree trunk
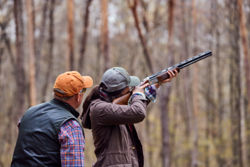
(133, 7)
(170, 6)
(235, 111)
(188, 103)
(105, 34)
(98, 59)
(19, 63)
(149, 155)
(40, 40)
(164, 100)
(211, 126)
(165, 94)
(145, 14)
(156, 20)
(84, 36)
(195, 93)
(15, 112)
(31, 44)
(220, 107)
(218, 140)
(70, 14)
(243, 137)
(1, 55)
(4, 39)
(248, 100)
(235, 81)
(209, 116)
(51, 48)
(244, 41)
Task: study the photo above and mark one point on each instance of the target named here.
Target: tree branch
(133, 8)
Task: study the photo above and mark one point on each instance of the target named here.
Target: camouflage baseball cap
(117, 78)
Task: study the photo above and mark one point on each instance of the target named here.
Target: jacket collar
(66, 106)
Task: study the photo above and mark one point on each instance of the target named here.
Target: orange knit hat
(70, 83)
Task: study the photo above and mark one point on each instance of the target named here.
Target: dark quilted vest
(37, 143)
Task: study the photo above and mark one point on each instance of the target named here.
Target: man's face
(80, 96)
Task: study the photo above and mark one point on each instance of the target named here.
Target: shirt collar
(66, 106)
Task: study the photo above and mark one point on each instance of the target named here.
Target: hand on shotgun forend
(172, 74)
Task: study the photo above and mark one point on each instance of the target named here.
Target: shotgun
(163, 75)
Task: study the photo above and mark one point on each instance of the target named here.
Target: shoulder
(37, 107)
(98, 108)
(98, 104)
(71, 124)
(70, 128)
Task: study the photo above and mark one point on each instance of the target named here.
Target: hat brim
(134, 81)
(88, 81)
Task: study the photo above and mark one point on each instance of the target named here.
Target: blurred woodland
(201, 118)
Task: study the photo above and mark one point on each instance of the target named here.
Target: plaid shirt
(72, 144)
(150, 93)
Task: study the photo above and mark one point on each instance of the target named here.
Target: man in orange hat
(49, 133)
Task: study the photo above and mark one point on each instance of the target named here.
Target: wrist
(139, 94)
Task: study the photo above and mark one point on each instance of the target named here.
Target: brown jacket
(115, 138)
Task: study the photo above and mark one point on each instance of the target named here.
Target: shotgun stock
(123, 100)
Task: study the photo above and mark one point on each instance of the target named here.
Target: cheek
(81, 98)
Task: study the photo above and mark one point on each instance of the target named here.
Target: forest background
(202, 118)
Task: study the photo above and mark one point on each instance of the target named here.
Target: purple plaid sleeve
(72, 144)
(150, 93)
